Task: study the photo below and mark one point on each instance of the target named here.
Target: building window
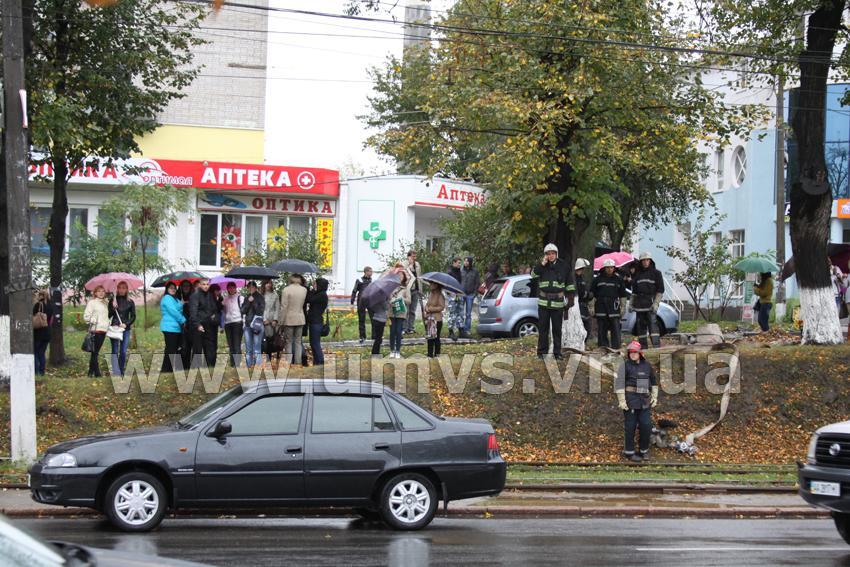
(719, 171)
(434, 244)
(739, 161)
(208, 248)
(736, 245)
(78, 225)
(39, 225)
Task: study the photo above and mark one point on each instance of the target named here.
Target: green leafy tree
(149, 210)
(97, 78)
(804, 41)
(535, 101)
(705, 260)
(108, 251)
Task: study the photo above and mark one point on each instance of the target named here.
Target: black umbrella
(445, 280)
(252, 273)
(380, 290)
(294, 266)
(177, 277)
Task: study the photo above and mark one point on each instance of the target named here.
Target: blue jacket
(172, 315)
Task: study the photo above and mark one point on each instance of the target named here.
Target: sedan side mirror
(221, 429)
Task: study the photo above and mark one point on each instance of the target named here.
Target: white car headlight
(810, 454)
(61, 460)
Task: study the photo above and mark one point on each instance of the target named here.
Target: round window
(739, 161)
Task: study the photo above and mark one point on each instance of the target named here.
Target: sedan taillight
(492, 442)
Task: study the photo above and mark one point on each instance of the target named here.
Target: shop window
(299, 224)
(231, 234)
(39, 225)
(254, 236)
(78, 223)
(208, 247)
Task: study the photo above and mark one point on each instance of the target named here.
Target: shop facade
(239, 207)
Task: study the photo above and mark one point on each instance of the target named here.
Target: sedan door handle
(381, 446)
(293, 450)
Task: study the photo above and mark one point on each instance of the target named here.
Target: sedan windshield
(211, 407)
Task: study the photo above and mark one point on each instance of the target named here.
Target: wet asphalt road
(467, 542)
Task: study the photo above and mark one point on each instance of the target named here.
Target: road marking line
(746, 549)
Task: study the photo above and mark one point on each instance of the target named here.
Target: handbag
(39, 319)
(257, 324)
(326, 326)
(399, 308)
(482, 289)
(430, 327)
(115, 331)
(88, 341)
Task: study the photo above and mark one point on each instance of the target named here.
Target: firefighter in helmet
(608, 292)
(552, 283)
(647, 290)
(636, 387)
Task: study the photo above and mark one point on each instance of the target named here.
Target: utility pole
(19, 287)
(780, 192)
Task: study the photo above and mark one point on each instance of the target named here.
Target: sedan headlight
(810, 454)
(60, 460)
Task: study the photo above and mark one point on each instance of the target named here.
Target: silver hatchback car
(507, 308)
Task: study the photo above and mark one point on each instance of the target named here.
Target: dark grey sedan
(280, 444)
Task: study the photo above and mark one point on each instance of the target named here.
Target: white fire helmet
(581, 263)
(550, 248)
(609, 263)
(645, 256)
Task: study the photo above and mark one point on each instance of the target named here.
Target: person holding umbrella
(608, 292)
(434, 308)
(764, 291)
(647, 290)
(292, 318)
(455, 307)
(399, 307)
(122, 313)
(184, 294)
(171, 325)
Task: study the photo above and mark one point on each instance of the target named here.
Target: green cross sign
(374, 235)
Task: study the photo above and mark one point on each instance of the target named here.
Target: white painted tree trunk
(22, 396)
(820, 317)
(573, 333)
(5, 353)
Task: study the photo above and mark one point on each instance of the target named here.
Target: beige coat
(435, 305)
(96, 315)
(292, 305)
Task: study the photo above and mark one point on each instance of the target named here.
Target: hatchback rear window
(494, 290)
(521, 289)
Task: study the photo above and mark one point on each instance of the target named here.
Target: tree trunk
(56, 240)
(811, 198)
(144, 286)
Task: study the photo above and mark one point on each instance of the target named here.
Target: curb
(650, 487)
(637, 511)
(471, 511)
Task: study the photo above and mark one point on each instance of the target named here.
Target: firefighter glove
(653, 397)
(621, 399)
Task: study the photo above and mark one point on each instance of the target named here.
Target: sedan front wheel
(408, 502)
(135, 502)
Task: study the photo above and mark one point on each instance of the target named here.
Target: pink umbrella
(620, 259)
(222, 281)
(110, 281)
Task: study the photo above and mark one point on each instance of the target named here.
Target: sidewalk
(666, 502)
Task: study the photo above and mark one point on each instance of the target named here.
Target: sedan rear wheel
(135, 502)
(408, 502)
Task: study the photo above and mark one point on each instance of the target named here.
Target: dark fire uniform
(647, 283)
(637, 380)
(552, 284)
(583, 296)
(608, 292)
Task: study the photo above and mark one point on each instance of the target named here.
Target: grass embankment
(786, 393)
